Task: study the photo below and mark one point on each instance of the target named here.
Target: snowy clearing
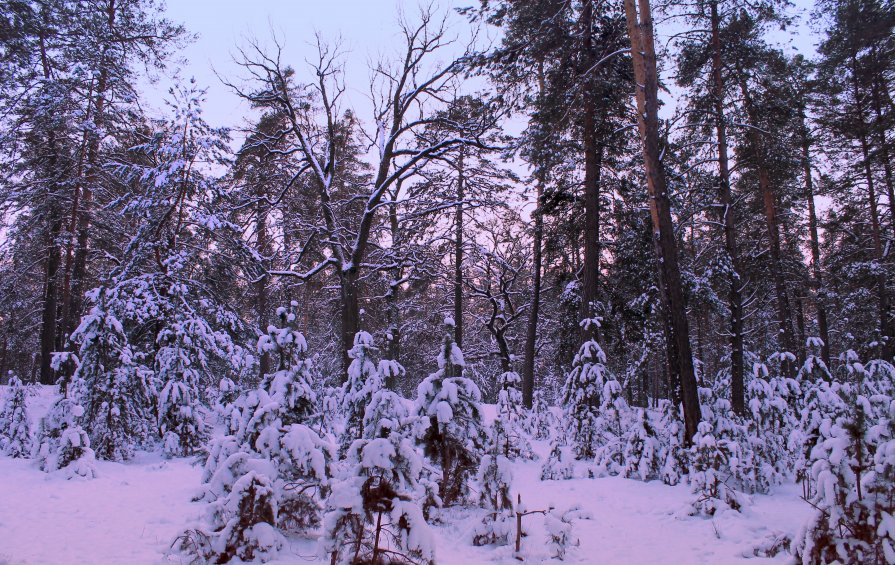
(132, 512)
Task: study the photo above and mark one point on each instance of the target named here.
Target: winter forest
(586, 281)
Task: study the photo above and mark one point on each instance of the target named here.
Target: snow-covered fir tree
(541, 422)
(674, 455)
(495, 477)
(611, 427)
(62, 444)
(180, 363)
(723, 463)
(823, 402)
(852, 466)
(290, 384)
(582, 398)
(373, 514)
(455, 436)
(115, 402)
(268, 477)
(643, 449)
(560, 464)
(772, 403)
(363, 381)
(560, 529)
(507, 434)
(814, 368)
(15, 427)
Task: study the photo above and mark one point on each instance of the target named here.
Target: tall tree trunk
(877, 240)
(75, 295)
(880, 131)
(262, 290)
(593, 152)
(393, 297)
(728, 220)
(531, 330)
(817, 274)
(680, 357)
(458, 253)
(52, 261)
(350, 312)
(876, 231)
(786, 333)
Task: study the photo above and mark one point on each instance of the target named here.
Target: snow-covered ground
(132, 512)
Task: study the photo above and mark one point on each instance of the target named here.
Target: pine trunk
(816, 272)
(680, 357)
(728, 220)
(592, 165)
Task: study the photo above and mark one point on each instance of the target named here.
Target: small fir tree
(581, 399)
(506, 434)
(852, 464)
(15, 427)
(541, 422)
(115, 401)
(62, 443)
(290, 384)
(642, 453)
(610, 429)
(455, 436)
(372, 513)
(363, 381)
(179, 364)
(495, 476)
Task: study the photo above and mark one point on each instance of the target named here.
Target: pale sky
(368, 29)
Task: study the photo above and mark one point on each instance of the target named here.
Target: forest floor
(132, 512)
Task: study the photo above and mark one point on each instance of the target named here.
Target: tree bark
(592, 164)
(816, 271)
(769, 201)
(531, 330)
(49, 322)
(262, 290)
(75, 295)
(876, 231)
(392, 298)
(350, 314)
(728, 220)
(680, 357)
(458, 253)
(880, 131)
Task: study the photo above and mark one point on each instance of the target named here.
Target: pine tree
(455, 436)
(675, 456)
(247, 518)
(363, 381)
(541, 421)
(15, 427)
(495, 476)
(507, 436)
(642, 452)
(372, 513)
(581, 399)
(268, 477)
(851, 464)
(61, 441)
(115, 403)
(179, 364)
(612, 423)
(559, 526)
(290, 384)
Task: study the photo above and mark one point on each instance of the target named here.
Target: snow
(129, 514)
(132, 512)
